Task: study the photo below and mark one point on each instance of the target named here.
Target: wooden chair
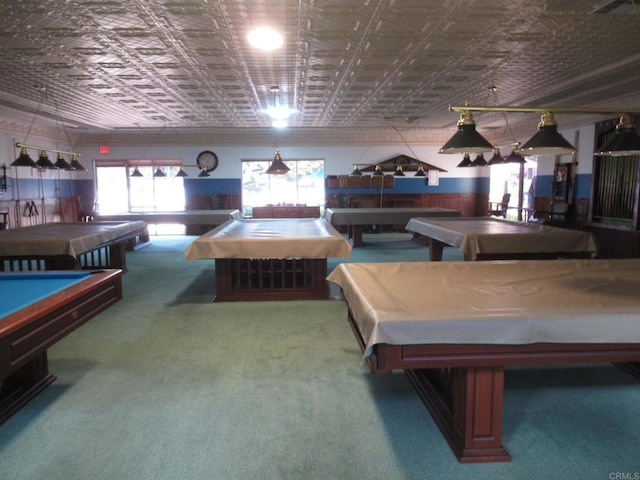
(499, 209)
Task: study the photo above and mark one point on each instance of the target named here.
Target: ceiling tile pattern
(361, 65)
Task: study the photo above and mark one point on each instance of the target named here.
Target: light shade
(466, 161)
(479, 161)
(497, 158)
(548, 141)
(159, 173)
(398, 172)
(61, 163)
(626, 140)
(203, 174)
(420, 172)
(181, 173)
(277, 166)
(377, 172)
(136, 173)
(43, 160)
(514, 156)
(466, 139)
(75, 164)
(24, 160)
(356, 171)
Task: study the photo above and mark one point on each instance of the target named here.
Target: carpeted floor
(168, 385)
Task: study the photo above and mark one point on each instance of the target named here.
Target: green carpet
(168, 385)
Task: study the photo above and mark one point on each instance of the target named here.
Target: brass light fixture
(497, 158)
(277, 166)
(62, 164)
(24, 160)
(514, 156)
(547, 141)
(626, 140)
(75, 163)
(479, 161)
(398, 172)
(377, 172)
(420, 172)
(356, 171)
(466, 161)
(466, 139)
(43, 160)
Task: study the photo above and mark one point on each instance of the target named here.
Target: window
(117, 191)
(302, 185)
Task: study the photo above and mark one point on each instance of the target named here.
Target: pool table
(37, 310)
(195, 221)
(355, 219)
(487, 238)
(454, 327)
(69, 246)
(270, 258)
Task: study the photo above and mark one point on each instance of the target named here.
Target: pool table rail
(26, 334)
(462, 385)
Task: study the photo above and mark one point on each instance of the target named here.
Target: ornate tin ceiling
(98, 66)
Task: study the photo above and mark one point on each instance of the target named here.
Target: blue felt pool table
(37, 309)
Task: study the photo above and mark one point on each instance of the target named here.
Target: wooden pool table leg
(466, 404)
(24, 384)
(435, 250)
(356, 234)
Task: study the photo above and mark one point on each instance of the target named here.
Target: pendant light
(61, 163)
(356, 171)
(466, 139)
(466, 161)
(548, 141)
(625, 141)
(76, 164)
(479, 161)
(514, 156)
(43, 160)
(24, 160)
(497, 158)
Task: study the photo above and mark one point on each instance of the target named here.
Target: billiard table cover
(493, 302)
(384, 216)
(485, 235)
(271, 238)
(70, 239)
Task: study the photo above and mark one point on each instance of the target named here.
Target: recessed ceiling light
(265, 38)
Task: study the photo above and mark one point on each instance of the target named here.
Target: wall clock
(207, 161)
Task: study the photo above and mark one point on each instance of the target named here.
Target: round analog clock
(207, 160)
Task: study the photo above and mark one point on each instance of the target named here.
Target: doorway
(519, 180)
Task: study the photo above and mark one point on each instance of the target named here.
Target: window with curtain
(302, 185)
(615, 184)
